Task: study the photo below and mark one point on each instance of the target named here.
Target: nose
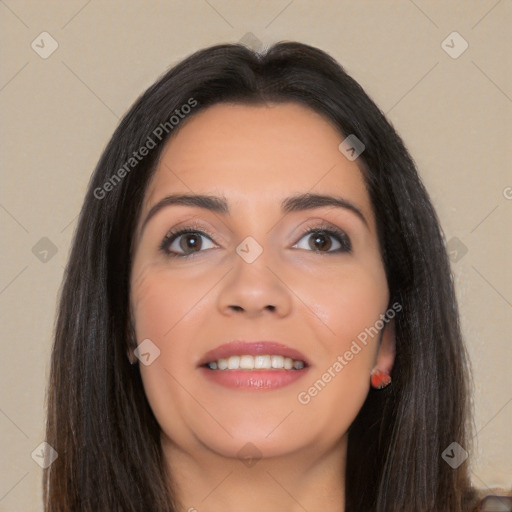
(255, 289)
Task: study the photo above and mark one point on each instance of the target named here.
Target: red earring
(379, 379)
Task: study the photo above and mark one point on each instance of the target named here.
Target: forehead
(255, 154)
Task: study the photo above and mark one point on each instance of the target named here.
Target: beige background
(455, 115)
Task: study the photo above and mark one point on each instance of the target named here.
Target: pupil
(192, 242)
(320, 237)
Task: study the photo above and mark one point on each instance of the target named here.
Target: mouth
(257, 355)
(260, 365)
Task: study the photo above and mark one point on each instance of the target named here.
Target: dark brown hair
(99, 419)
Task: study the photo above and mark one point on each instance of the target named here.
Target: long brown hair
(99, 420)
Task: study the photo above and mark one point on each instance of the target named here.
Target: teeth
(259, 362)
(246, 362)
(262, 362)
(234, 363)
(277, 362)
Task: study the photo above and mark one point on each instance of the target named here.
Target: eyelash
(324, 228)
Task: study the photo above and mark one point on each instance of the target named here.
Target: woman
(258, 312)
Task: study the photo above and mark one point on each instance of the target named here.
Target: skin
(256, 156)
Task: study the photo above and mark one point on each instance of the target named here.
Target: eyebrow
(296, 203)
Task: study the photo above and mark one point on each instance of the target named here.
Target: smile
(259, 362)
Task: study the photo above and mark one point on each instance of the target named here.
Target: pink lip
(257, 380)
(241, 348)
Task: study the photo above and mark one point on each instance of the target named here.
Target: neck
(204, 481)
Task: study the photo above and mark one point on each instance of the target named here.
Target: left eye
(319, 240)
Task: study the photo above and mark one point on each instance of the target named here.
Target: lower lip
(254, 379)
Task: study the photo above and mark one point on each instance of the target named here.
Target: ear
(387, 348)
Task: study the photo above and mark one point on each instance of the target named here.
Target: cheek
(162, 301)
(158, 304)
(348, 301)
(350, 304)
(165, 311)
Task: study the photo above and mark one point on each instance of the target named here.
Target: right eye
(184, 242)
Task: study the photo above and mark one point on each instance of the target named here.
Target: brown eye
(184, 242)
(321, 240)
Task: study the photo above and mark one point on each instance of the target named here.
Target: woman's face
(254, 274)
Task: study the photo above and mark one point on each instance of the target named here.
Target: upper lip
(253, 348)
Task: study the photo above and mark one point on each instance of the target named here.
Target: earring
(379, 379)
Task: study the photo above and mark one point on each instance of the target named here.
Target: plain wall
(455, 115)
